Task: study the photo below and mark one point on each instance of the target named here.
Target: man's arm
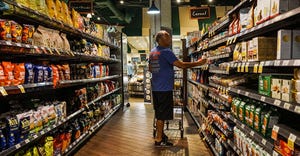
(184, 65)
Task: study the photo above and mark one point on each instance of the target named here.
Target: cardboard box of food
(250, 50)
(244, 51)
(296, 44)
(284, 44)
(276, 85)
(264, 85)
(278, 7)
(286, 97)
(276, 95)
(264, 48)
(264, 7)
(286, 86)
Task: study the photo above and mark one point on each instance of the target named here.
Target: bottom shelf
(74, 146)
(210, 143)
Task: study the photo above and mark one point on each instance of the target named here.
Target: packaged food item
(278, 7)
(60, 72)
(247, 114)
(82, 95)
(96, 71)
(284, 44)
(41, 7)
(293, 4)
(66, 45)
(5, 26)
(16, 32)
(237, 55)
(269, 120)
(8, 73)
(12, 131)
(19, 73)
(288, 97)
(51, 114)
(244, 15)
(59, 10)
(2, 139)
(2, 76)
(32, 4)
(296, 44)
(27, 33)
(241, 111)
(276, 88)
(41, 37)
(35, 151)
(251, 115)
(258, 116)
(264, 85)
(38, 120)
(22, 2)
(49, 146)
(29, 73)
(244, 51)
(286, 86)
(66, 15)
(56, 40)
(24, 125)
(55, 75)
(264, 7)
(66, 70)
(263, 49)
(38, 74)
(51, 9)
(57, 145)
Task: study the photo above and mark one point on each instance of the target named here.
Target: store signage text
(200, 13)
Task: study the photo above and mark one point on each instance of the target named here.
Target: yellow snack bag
(41, 6)
(66, 12)
(59, 10)
(75, 19)
(23, 2)
(32, 4)
(51, 9)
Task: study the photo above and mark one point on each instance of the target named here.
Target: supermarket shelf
(232, 145)
(203, 67)
(212, 45)
(225, 144)
(292, 107)
(285, 19)
(210, 143)
(84, 81)
(74, 146)
(220, 99)
(215, 105)
(270, 63)
(199, 84)
(219, 56)
(193, 117)
(45, 131)
(237, 7)
(42, 19)
(217, 71)
(227, 133)
(217, 28)
(25, 88)
(287, 132)
(258, 138)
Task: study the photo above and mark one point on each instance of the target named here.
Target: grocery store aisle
(130, 133)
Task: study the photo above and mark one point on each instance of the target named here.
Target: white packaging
(284, 44)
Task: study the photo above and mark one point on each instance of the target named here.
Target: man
(161, 62)
(129, 70)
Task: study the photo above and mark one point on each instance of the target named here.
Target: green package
(247, 114)
(251, 116)
(264, 85)
(241, 111)
(257, 114)
(270, 119)
(235, 106)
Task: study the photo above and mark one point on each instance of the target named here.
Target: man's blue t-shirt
(161, 66)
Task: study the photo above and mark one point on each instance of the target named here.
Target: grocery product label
(27, 141)
(252, 133)
(18, 146)
(247, 93)
(291, 140)
(262, 98)
(260, 68)
(296, 62)
(255, 68)
(275, 132)
(297, 109)
(285, 63)
(3, 91)
(277, 102)
(264, 141)
(277, 63)
(21, 88)
(286, 105)
(243, 68)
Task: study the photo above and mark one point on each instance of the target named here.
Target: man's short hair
(160, 34)
(129, 61)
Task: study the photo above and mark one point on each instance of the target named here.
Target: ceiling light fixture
(121, 1)
(178, 1)
(153, 9)
(210, 0)
(98, 18)
(89, 15)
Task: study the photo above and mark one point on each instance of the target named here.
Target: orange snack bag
(5, 27)
(19, 73)
(66, 69)
(16, 32)
(55, 74)
(27, 33)
(2, 77)
(8, 73)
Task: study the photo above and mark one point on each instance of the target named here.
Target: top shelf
(237, 7)
(44, 20)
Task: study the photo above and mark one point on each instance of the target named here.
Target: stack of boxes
(288, 44)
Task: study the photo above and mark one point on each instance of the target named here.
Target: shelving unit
(20, 52)
(222, 67)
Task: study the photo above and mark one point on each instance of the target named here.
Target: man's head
(163, 39)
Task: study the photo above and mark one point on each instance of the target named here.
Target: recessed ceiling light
(178, 1)
(98, 18)
(121, 1)
(210, 0)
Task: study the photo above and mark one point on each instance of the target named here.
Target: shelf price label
(277, 102)
(247, 93)
(27, 141)
(262, 98)
(275, 131)
(252, 133)
(21, 88)
(264, 141)
(296, 62)
(291, 140)
(3, 91)
(287, 106)
(239, 68)
(260, 68)
(255, 68)
(243, 68)
(234, 39)
(247, 68)
(297, 109)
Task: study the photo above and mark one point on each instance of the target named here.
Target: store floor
(129, 133)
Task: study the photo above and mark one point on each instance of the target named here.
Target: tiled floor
(130, 133)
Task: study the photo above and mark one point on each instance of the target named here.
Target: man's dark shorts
(163, 104)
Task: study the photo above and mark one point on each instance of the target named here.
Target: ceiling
(114, 13)
(138, 42)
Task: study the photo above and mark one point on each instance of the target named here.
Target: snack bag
(5, 27)
(66, 44)
(12, 131)
(59, 11)
(35, 151)
(49, 146)
(51, 114)
(2, 76)
(38, 74)
(24, 125)
(50, 75)
(51, 8)
(29, 73)
(19, 73)
(32, 4)
(38, 121)
(46, 74)
(66, 12)
(66, 70)
(8, 73)
(41, 37)
(16, 32)
(23, 2)
(55, 75)
(3, 142)
(60, 72)
(96, 71)
(44, 114)
(41, 6)
(75, 18)
(81, 94)
(27, 34)
(57, 40)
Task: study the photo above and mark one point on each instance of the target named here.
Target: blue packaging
(38, 74)
(29, 74)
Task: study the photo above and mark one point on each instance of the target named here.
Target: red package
(2, 77)
(8, 73)
(60, 72)
(66, 70)
(5, 27)
(19, 73)
(27, 33)
(55, 74)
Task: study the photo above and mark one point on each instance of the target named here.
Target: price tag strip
(3, 91)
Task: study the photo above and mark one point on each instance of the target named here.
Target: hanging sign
(82, 7)
(200, 13)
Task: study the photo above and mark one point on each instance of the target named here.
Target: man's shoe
(163, 144)
(165, 138)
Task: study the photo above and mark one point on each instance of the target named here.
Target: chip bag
(19, 73)
(49, 146)
(29, 73)
(59, 10)
(55, 75)
(27, 34)
(38, 74)
(16, 32)
(41, 6)
(8, 73)
(5, 27)
(66, 70)
(51, 8)
(2, 76)
(23, 2)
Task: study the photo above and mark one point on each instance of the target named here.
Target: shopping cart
(178, 110)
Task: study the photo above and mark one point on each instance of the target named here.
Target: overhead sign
(82, 7)
(200, 13)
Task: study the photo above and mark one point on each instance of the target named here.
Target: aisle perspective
(246, 101)
(60, 81)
